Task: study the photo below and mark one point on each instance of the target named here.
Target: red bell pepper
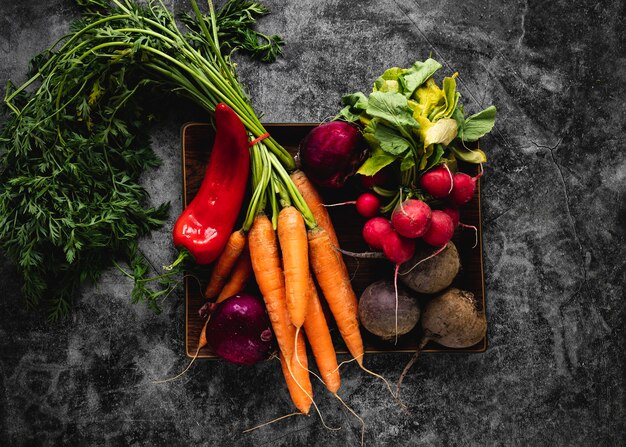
(205, 225)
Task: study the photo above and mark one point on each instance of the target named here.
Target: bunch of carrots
(288, 251)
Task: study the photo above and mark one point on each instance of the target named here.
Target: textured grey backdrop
(554, 218)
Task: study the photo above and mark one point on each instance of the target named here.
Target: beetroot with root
(378, 311)
(452, 319)
(411, 218)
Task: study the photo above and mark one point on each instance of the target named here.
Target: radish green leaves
(410, 119)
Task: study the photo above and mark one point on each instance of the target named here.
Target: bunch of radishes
(413, 219)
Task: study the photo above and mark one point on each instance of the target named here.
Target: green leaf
(355, 104)
(390, 140)
(469, 155)
(357, 101)
(451, 97)
(389, 80)
(392, 108)
(417, 75)
(407, 162)
(436, 156)
(479, 124)
(378, 160)
(459, 116)
(346, 114)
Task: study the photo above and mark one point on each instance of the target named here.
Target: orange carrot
(292, 238)
(301, 397)
(318, 335)
(269, 277)
(238, 279)
(315, 204)
(225, 264)
(335, 284)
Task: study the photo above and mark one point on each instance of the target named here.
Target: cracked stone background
(554, 242)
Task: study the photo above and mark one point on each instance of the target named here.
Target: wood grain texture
(197, 139)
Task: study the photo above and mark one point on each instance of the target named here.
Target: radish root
(442, 248)
(475, 232)
(364, 255)
(445, 165)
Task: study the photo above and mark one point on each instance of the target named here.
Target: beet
(377, 310)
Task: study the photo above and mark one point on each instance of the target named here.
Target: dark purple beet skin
(331, 153)
(239, 330)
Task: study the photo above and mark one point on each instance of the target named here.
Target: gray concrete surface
(554, 218)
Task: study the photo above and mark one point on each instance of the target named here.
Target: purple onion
(331, 153)
(239, 330)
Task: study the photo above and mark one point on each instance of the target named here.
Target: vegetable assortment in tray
(197, 139)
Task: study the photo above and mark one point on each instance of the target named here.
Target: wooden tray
(197, 140)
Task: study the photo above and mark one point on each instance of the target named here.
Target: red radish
(437, 182)
(375, 230)
(398, 249)
(411, 218)
(463, 188)
(368, 204)
(441, 229)
(454, 214)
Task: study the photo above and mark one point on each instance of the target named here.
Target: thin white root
(183, 372)
(295, 353)
(195, 356)
(445, 165)
(361, 421)
(347, 361)
(272, 421)
(319, 413)
(475, 232)
(380, 377)
(442, 248)
(395, 286)
(352, 202)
